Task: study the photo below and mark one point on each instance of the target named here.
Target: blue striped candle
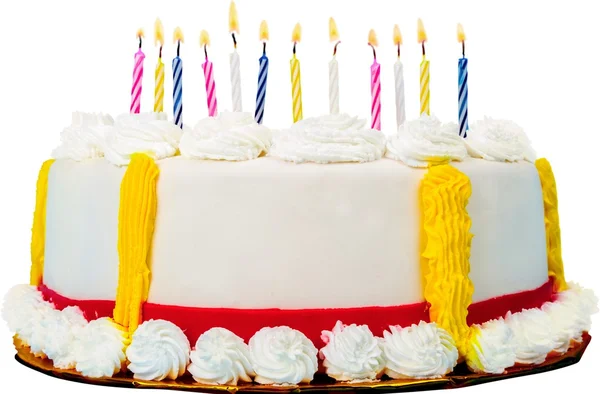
(463, 88)
(178, 90)
(463, 97)
(262, 86)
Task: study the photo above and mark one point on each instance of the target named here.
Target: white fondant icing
(329, 139)
(159, 350)
(281, 355)
(319, 217)
(100, 349)
(352, 353)
(84, 138)
(499, 140)
(221, 357)
(494, 348)
(149, 133)
(426, 141)
(231, 136)
(419, 351)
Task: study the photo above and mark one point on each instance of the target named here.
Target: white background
(534, 62)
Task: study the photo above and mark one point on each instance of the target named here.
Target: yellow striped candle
(422, 37)
(159, 73)
(295, 74)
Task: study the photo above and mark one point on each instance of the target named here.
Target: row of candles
(236, 91)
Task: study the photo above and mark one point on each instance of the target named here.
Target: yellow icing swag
(38, 231)
(551, 219)
(137, 212)
(445, 192)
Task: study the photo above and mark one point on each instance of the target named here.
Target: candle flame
(178, 35)
(140, 33)
(421, 34)
(264, 31)
(334, 34)
(159, 33)
(373, 38)
(204, 38)
(234, 25)
(397, 36)
(297, 33)
(460, 33)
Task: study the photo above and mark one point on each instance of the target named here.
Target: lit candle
(399, 80)
(263, 71)
(463, 88)
(334, 78)
(234, 61)
(295, 74)
(424, 76)
(375, 84)
(138, 73)
(207, 66)
(159, 72)
(178, 80)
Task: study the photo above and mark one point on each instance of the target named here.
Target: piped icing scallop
(232, 136)
(329, 139)
(100, 348)
(426, 141)
(491, 348)
(281, 355)
(220, 357)
(533, 337)
(85, 138)
(149, 133)
(421, 351)
(60, 329)
(159, 350)
(352, 353)
(499, 140)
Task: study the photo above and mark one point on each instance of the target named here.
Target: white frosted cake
(233, 254)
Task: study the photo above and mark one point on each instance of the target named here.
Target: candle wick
(374, 52)
(140, 44)
(423, 48)
(398, 51)
(463, 48)
(335, 48)
(160, 52)
(294, 48)
(205, 53)
(264, 48)
(234, 40)
(178, 46)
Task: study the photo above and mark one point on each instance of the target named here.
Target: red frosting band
(245, 322)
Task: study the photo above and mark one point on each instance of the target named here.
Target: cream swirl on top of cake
(149, 133)
(329, 139)
(233, 136)
(426, 141)
(84, 138)
(499, 140)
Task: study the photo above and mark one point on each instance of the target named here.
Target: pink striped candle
(138, 73)
(207, 66)
(375, 85)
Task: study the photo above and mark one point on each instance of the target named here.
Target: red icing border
(245, 322)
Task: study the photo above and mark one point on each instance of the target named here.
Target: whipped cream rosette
(149, 133)
(329, 139)
(233, 136)
(499, 140)
(85, 138)
(426, 141)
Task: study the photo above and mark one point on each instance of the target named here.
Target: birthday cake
(233, 253)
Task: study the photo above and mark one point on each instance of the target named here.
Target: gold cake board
(461, 377)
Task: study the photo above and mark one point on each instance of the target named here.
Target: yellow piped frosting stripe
(445, 192)
(551, 219)
(38, 231)
(137, 212)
